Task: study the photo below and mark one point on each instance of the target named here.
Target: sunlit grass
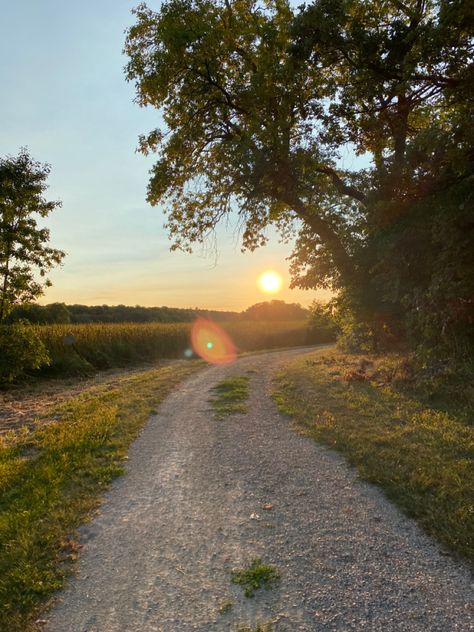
(229, 396)
(421, 456)
(52, 477)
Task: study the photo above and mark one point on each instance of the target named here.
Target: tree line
(275, 310)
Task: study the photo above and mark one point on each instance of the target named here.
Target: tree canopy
(261, 101)
(25, 257)
(275, 310)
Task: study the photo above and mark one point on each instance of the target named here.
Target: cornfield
(76, 349)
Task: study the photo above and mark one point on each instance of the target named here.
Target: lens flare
(212, 343)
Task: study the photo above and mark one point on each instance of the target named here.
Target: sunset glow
(270, 282)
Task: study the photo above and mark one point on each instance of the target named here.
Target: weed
(255, 576)
(229, 396)
(261, 627)
(226, 607)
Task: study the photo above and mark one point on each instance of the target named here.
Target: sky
(64, 96)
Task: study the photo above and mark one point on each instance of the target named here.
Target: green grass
(255, 576)
(229, 396)
(422, 456)
(52, 477)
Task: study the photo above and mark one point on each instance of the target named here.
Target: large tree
(25, 256)
(259, 102)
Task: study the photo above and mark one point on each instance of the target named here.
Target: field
(105, 346)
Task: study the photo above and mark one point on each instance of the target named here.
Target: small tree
(21, 350)
(25, 257)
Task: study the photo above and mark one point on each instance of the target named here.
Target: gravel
(159, 554)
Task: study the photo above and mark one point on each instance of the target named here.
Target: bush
(20, 350)
(356, 337)
(322, 325)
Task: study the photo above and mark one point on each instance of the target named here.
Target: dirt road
(158, 556)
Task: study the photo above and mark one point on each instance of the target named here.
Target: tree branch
(326, 232)
(341, 186)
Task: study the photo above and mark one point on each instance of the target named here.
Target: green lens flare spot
(210, 345)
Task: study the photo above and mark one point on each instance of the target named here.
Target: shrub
(20, 350)
(322, 325)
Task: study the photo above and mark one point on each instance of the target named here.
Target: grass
(421, 455)
(255, 576)
(226, 607)
(229, 396)
(51, 478)
(105, 346)
(261, 627)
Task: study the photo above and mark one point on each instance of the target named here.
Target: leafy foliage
(103, 346)
(322, 324)
(40, 314)
(24, 254)
(61, 313)
(275, 310)
(21, 350)
(259, 103)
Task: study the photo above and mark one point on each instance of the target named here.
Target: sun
(270, 282)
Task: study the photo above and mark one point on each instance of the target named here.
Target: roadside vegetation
(230, 395)
(51, 477)
(261, 627)
(67, 350)
(255, 576)
(408, 432)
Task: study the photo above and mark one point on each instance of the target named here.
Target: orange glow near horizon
(212, 343)
(270, 282)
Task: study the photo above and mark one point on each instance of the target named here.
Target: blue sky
(64, 96)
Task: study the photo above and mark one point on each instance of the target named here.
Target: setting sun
(270, 282)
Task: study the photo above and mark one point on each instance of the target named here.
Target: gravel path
(158, 556)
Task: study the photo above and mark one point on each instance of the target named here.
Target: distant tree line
(61, 313)
(275, 310)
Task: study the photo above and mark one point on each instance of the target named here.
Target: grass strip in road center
(51, 478)
(421, 455)
(228, 396)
